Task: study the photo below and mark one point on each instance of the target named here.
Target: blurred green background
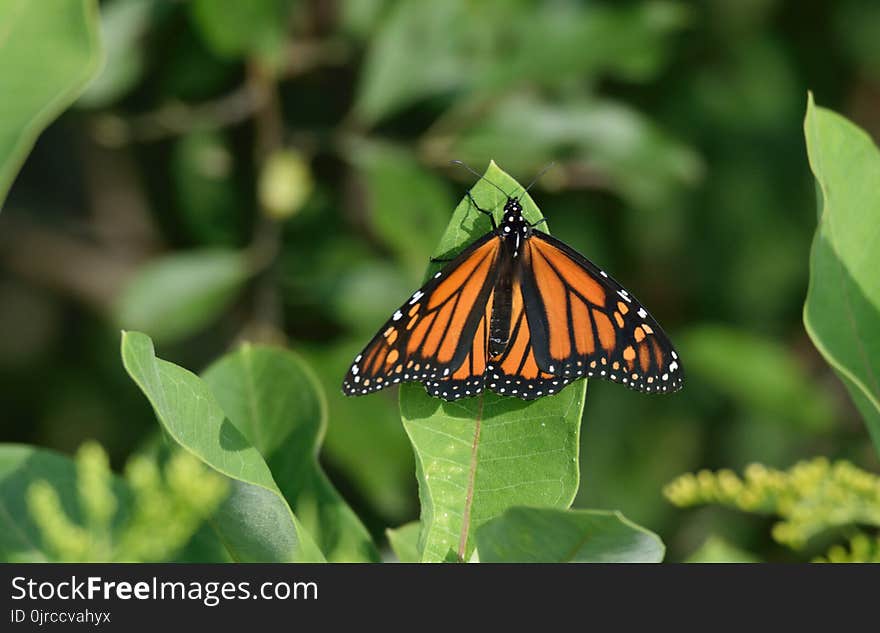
(277, 171)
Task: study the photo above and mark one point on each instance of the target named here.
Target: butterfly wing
(580, 322)
(515, 372)
(434, 333)
(468, 379)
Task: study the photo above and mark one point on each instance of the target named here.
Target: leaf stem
(472, 475)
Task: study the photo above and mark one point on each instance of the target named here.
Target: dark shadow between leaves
(231, 439)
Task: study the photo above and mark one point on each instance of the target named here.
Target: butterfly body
(513, 232)
(522, 314)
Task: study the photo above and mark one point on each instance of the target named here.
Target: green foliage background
(277, 171)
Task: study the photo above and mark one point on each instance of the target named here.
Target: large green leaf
(842, 310)
(48, 52)
(174, 296)
(382, 476)
(21, 466)
(545, 535)
(478, 456)
(274, 400)
(255, 522)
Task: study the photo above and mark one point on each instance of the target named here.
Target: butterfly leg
(483, 211)
(541, 221)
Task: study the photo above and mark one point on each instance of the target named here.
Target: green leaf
(717, 550)
(21, 466)
(758, 373)
(176, 295)
(48, 52)
(404, 541)
(417, 52)
(842, 310)
(383, 474)
(255, 523)
(275, 402)
(639, 160)
(478, 456)
(423, 50)
(364, 292)
(231, 28)
(123, 26)
(630, 42)
(545, 535)
(395, 181)
(361, 18)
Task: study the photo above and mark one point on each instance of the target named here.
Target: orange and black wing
(579, 322)
(468, 379)
(515, 372)
(433, 335)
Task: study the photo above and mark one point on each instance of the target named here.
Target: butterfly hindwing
(431, 335)
(515, 372)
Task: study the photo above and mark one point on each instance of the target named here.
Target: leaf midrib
(472, 475)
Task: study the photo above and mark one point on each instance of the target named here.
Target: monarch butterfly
(521, 313)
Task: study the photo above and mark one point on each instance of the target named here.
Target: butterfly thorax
(514, 230)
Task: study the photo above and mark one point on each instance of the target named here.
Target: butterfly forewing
(431, 335)
(468, 379)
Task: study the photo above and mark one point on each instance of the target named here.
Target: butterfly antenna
(536, 179)
(479, 176)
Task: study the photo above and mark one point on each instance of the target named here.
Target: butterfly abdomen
(499, 328)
